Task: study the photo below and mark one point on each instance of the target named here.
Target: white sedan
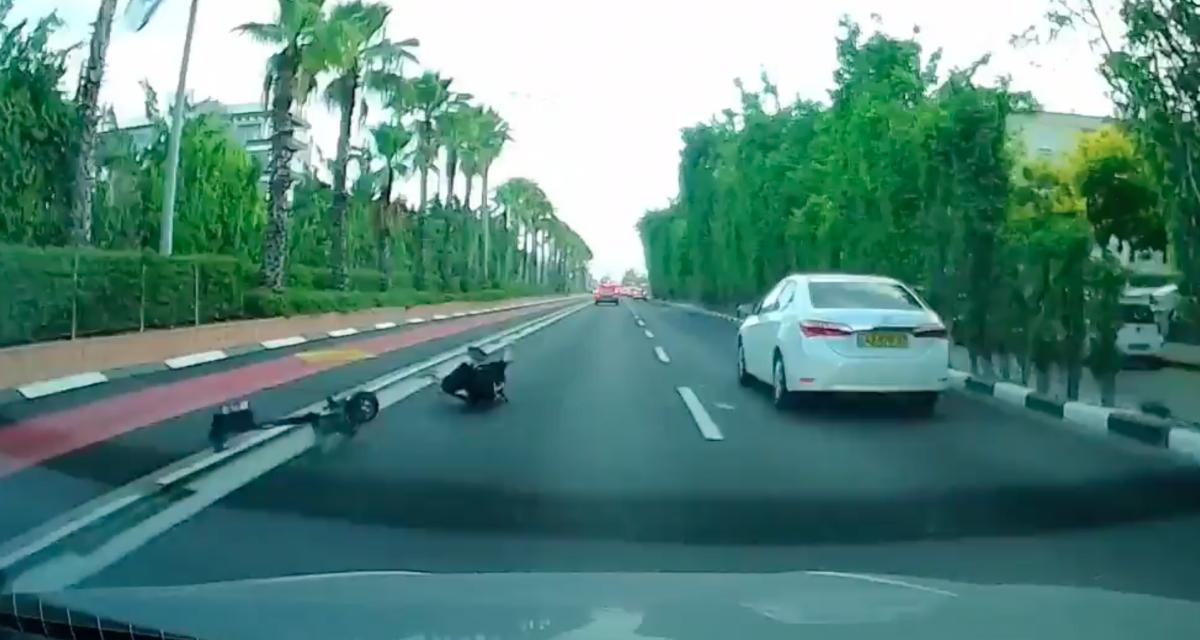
(844, 333)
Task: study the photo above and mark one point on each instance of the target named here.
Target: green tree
(351, 44)
(289, 78)
(87, 100)
(427, 96)
(1154, 72)
(1115, 183)
(37, 133)
(219, 206)
(493, 135)
(392, 141)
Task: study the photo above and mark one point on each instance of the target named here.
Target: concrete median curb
(1131, 425)
(42, 388)
(1123, 423)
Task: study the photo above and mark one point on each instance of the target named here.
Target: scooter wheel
(362, 407)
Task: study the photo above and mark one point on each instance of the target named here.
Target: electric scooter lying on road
(342, 416)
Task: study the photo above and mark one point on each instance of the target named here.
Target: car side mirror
(746, 310)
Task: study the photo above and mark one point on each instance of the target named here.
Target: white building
(249, 124)
(1051, 136)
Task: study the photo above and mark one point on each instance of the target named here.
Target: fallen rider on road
(481, 378)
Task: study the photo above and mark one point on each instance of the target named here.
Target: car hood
(691, 606)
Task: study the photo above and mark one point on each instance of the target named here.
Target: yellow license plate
(883, 340)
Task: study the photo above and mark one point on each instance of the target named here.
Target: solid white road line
(341, 333)
(193, 359)
(662, 355)
(57, 385)
(71, 527)
(385, 325)
(283, 342)
(257, 458)
(704, 422)
(649, 334)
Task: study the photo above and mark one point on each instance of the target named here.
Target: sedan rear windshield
(1137, 314)
(861, 295)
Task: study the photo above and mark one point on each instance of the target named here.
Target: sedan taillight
(823, 329)
(931, 331)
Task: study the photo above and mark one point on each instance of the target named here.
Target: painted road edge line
(279, 343)
(261, 443)
(65, 383)
(704, 422)
(662, 355)
(40, 388)
(193, 359)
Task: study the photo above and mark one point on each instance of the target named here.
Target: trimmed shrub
(47, 290)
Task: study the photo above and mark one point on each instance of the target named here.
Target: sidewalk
(41, 361)
(1179, 353)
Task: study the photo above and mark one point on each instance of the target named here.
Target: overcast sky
(597, 92)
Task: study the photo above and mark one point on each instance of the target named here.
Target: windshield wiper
(32, 615)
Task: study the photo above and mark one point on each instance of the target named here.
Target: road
(598, 464)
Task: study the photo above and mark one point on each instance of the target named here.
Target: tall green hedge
(52, 293)
(267, 303)
(47, 290)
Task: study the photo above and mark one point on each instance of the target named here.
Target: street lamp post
(167, 223)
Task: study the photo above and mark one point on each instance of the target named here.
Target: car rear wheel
(780, 396)
(744, 378)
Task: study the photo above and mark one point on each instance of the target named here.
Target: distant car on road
(844, 333)
(638, 293)
(606, 293)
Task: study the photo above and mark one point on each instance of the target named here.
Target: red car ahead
(606, 293)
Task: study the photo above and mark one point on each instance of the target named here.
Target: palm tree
(351, 44)
(524, 204)
(454, 126)
(427, 96)
(289, 78)
(391, 142)
(493, 133)
(87, 97)
(469, 137)
(537, 220)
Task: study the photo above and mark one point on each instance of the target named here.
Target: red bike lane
(35, 440)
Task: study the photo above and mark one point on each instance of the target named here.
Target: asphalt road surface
(630, 447)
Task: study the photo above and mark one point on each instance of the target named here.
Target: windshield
(861, 295)
(1137, 314)
(583, 292)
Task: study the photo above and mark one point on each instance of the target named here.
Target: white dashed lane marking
(662, 355)
(704, 422)
(649, 334)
